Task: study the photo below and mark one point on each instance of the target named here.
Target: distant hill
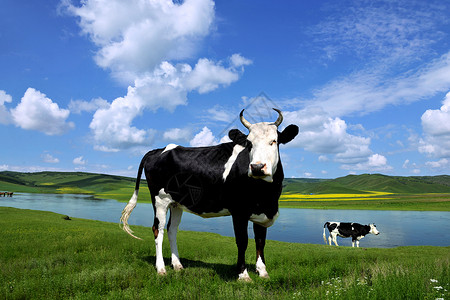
(121, 188)
(100, 185)
(356, 184)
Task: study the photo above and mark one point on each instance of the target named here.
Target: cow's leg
(172, 229)
(334, 239)
(260, 240)
(161, 205)
(329, 239)
(353, 243)
(241, 234)
(357, 243)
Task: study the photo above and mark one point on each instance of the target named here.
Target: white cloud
(374, 163)
(372, 89)
(79, 161)
(133, 37)
(389, 31)
(177, 135)
(136, 41)
(218, 113)
(440, 164)
(5, 117)
(79, 106)
(37, 112)
(322, 134)
(166, 87)
(204, 138)
(48, 158)
(436, 127)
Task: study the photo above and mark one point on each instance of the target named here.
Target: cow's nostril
(257, 169)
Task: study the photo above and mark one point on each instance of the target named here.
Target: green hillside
(359, 184)
(99, 185)
(121, 188)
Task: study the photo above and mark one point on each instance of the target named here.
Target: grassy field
(44, 256)
(365, 191)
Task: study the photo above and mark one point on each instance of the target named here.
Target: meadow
(45, 256)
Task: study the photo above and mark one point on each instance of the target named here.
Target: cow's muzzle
(258, 170)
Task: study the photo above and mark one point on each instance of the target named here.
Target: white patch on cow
(169, 147)
(221, 213)
(175, 219)
(261, 268)
(236, 150)
(244, 276)
(263, 220)
(264, 139)
(162, 203)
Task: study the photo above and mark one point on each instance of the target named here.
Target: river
(397, 228)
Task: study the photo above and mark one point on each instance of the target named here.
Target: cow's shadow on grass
(226, 272)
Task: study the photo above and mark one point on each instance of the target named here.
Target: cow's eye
(273, 142)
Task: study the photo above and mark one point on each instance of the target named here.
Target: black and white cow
(354, 230)
(242, 178)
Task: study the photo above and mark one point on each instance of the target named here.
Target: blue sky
(93, 85)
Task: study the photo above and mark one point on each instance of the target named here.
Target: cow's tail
(324, 235)
(132, 203)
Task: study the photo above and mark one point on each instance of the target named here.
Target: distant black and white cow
(354, 230)
(242, 178)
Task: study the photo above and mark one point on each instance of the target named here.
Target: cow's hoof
(244, 277)
(162, 272)
(264, 275)
(178, 267)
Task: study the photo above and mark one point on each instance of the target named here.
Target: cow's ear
(237, 136)
(288, 134)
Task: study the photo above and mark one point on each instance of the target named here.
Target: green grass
(43, 256)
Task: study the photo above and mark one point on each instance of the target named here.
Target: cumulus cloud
(37, 112)
(166, 87)
(325, 135)
(79, 161)
(436, 128)
(138, 41)
(135, 36)
(5, 117)
(177, 135)
(79, 106)
(48, 158)
(204, 138)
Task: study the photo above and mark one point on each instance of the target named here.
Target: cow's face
(373, 229)
(264, 139)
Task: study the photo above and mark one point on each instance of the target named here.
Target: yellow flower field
(371, 195)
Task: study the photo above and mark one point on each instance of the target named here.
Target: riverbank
(46, 256)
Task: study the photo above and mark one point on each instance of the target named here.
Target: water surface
(398, 228)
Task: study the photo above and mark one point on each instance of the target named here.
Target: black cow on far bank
(354, 230)
(242, 178)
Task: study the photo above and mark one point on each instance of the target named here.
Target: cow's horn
(244, 122)
(280, 117)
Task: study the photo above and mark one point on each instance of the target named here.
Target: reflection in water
(397, 228)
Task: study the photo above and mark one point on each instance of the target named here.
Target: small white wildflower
(438, 287)
(433, 280)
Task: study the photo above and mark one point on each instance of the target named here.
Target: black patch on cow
(186, 188)
(288, 134)
(238, 137)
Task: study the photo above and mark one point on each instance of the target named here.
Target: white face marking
(263, 220)
(373, 229)
(236, 150)
(264, 139)
(169, 147)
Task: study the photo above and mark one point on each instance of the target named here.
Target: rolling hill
(359, 184)
(120, 188)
